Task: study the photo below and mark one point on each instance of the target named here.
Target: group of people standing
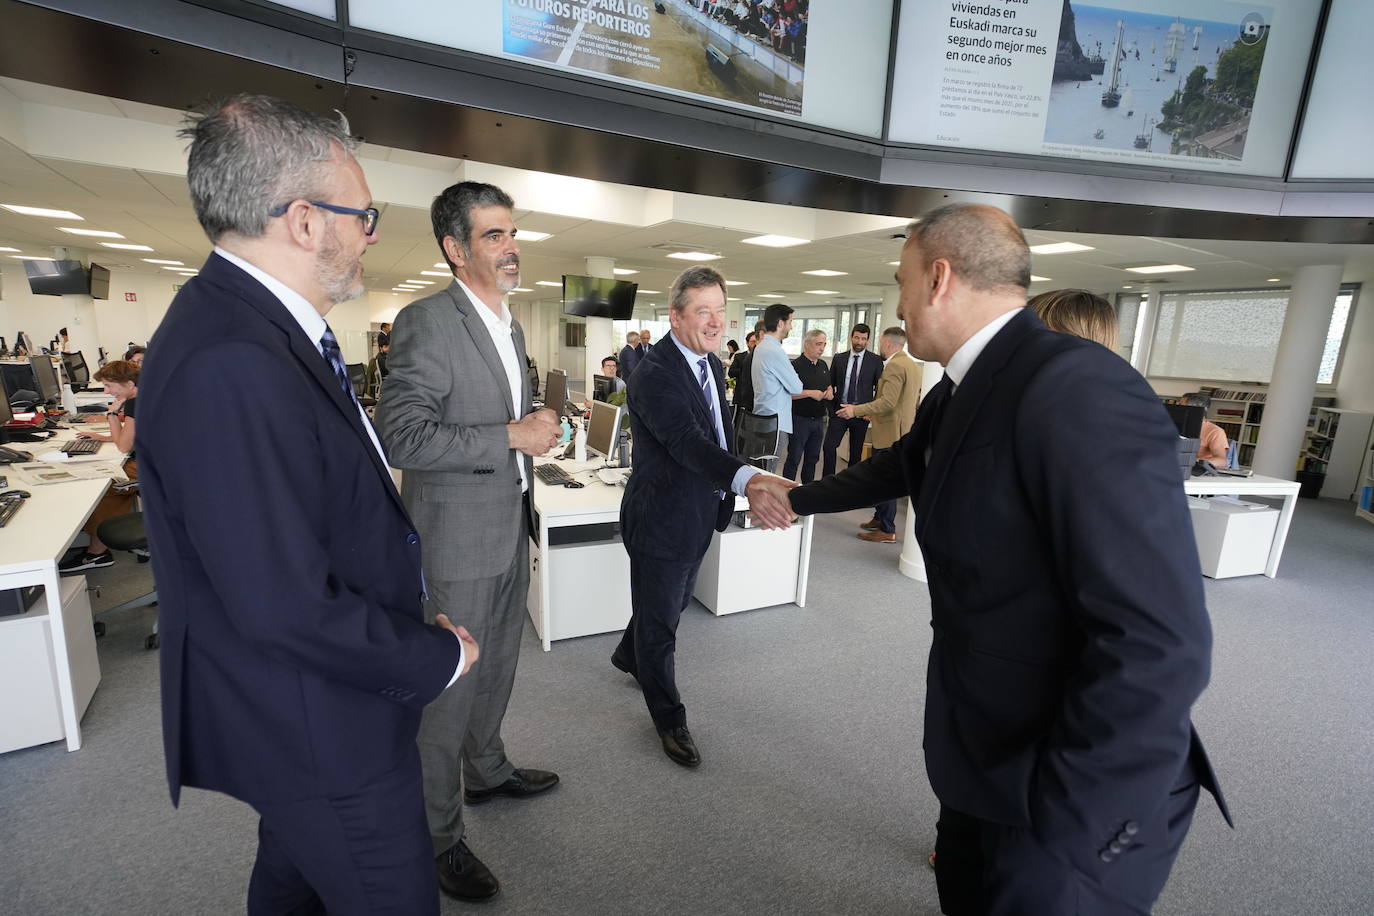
(312, 660)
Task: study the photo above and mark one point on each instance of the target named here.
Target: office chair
(372, 385)
(78, 373)
(126, 532)
(357, 375)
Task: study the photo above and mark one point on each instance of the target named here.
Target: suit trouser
(659, 591)
(365, 852)
(858, 431)
(988, 869)
(804, 447)
(460, 732)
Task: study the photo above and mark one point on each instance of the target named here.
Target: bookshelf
(1239, 414)
(1364, 508)
(1336, 445)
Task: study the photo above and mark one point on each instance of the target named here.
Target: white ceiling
(150, 206)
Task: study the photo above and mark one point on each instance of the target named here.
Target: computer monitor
(604, 429)
(6, 414)
(78, 373)
(1188, 419)
(556, 391)
(602, 386)
(45, 374)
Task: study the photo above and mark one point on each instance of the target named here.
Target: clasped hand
(470, 650)
(535, 433)
(768, 500)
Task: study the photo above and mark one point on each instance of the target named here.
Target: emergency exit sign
(131, 297)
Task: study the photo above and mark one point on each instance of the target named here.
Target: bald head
(983, 245)
(961, 267)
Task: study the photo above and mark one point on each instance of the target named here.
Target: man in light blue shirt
(775, 380)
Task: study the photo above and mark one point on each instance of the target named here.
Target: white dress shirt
(963, 358)
(503, 339)
(313, 324)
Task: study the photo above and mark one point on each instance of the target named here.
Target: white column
(1147, 316)
(911, 563)
(1294, 379)
(598, 329)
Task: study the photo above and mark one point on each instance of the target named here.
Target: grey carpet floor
(812, 798)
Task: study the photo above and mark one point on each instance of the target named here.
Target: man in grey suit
(456, 418)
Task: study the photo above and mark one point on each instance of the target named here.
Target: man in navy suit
(1071, 636)
(685, 470)
(630, 355)
(295, 658)
(854, 376)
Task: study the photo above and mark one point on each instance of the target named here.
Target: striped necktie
(703, 379)
(330, 345)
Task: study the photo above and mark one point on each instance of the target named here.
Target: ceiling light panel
(827, 273)
(1159, 269)
(162, 261)
(435, 273)
(694, 256)
(775, 241)
(1060, 248)
(529, 235)
(43, 211)
(623, 271)
(1035, 279)
(822, 292)
(94, 233)
(126, 247)
(548, 283)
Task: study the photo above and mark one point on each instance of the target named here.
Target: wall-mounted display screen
(821, 62)
(1210, 85)
(1335, 141)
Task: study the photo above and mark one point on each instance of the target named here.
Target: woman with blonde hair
(1077, 312)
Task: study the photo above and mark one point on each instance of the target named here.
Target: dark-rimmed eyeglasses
(368, 216)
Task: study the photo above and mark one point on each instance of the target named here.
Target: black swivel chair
(126, 532)
(357, 375)
(78, 373)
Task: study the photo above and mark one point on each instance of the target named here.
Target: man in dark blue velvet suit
(1071, 636)
(681, 490)
(295, 657)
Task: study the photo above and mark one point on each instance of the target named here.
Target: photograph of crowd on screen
(1161, 84)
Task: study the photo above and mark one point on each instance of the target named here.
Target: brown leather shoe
(871, 525)
(878, 537)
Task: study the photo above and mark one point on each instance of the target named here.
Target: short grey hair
(451, 212)
(813, 334)
(698, 277)
(983, 245)
(251, 153)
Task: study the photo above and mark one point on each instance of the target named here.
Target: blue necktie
(706, 396)
(330, 345)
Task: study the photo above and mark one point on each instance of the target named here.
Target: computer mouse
(574, 484)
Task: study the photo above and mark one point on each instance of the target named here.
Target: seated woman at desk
(120, 379)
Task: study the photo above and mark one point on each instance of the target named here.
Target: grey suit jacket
(442, 418)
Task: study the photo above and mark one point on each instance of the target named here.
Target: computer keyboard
(551, 474)
(80, 446)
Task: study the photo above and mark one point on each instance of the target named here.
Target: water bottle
(580, 445)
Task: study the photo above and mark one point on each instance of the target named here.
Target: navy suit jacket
(630, 358)
(295, 659)
(865, 386)
(671, 504)
(1071, 634)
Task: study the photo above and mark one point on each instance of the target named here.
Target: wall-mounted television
(100, 282)
(597, 297)
(57, 278)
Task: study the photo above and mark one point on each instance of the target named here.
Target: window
(1233, 335)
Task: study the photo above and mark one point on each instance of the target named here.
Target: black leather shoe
(621, 666)
(678, 745)
(463, 876)
(522, 784)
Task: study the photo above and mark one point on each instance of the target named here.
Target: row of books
(1220, 394)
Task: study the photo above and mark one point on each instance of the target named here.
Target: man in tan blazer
(891, 414)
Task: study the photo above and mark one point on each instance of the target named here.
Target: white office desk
(582, 587)
(1254, 486)
(31, 546)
